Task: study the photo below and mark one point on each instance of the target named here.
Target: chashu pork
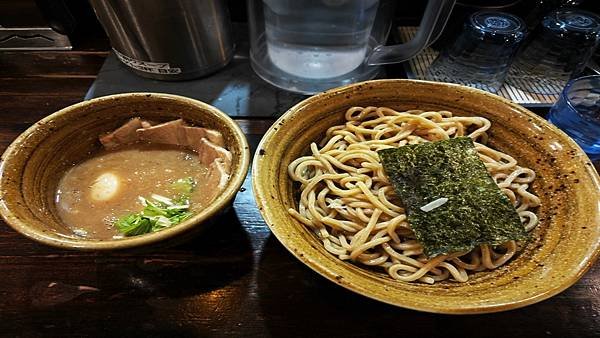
(207, 143)
(123, 135)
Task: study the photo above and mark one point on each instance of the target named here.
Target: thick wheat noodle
(347, 200)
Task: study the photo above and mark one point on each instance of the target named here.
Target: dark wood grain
(51, 64)
(235, 279)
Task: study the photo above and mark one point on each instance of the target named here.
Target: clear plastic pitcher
(310, 46)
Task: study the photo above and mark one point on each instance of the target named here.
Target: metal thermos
(168, 39)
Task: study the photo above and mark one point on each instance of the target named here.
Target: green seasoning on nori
(477, 211)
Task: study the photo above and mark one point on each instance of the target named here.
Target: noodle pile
(347, 200)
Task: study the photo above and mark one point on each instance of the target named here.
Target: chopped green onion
(142, 200)
(184, 185)
(176, 207)
(159, 212)
(162, 199)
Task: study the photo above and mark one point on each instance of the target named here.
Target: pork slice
(209, 152)
(194, 134)
(215, 137)
(218, 175)
(178, 133)
(122, 135)
(207, 143)
(216, 179)
(165, 133)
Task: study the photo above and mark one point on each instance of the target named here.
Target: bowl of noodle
(320, 187)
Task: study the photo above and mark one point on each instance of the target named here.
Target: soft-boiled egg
(105, 187)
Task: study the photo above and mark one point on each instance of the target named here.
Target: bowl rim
(236, 180)
(262, 201)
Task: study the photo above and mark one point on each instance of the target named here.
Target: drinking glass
(559, 50)
(577, 113)
(482, 53)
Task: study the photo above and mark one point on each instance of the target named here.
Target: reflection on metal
(33, 38)
(168, 40)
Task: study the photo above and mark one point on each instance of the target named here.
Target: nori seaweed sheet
(477, 211)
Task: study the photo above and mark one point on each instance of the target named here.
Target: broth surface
(135, 170)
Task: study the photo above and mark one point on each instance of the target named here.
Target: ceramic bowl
(562, 247)
(33, 164)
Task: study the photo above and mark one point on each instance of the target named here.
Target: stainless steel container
(168, 39)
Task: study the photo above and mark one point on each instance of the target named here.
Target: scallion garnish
(159, 212)
(183, 187)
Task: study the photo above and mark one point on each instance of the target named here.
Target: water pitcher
(312, 45)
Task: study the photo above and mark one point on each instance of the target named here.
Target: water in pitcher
(318, 39)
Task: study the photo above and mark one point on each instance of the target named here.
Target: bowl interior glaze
(562, 247)
(33, 164)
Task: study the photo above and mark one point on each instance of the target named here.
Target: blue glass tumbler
(482, 53)
(559, 51)
(577, 113)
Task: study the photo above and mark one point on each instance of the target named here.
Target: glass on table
(577, 113)
(559, 50)
(482, 53)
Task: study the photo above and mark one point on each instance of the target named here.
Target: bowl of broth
(122, 171)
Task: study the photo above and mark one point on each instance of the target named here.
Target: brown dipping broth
(141, 169)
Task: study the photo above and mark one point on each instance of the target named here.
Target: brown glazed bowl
(32, 165)
(562, 248)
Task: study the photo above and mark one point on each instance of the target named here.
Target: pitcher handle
(434, 19)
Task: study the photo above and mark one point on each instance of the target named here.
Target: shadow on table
(216, 257)
(305, 304)
(128, 295)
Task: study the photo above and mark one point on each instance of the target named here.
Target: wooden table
(233, 280)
